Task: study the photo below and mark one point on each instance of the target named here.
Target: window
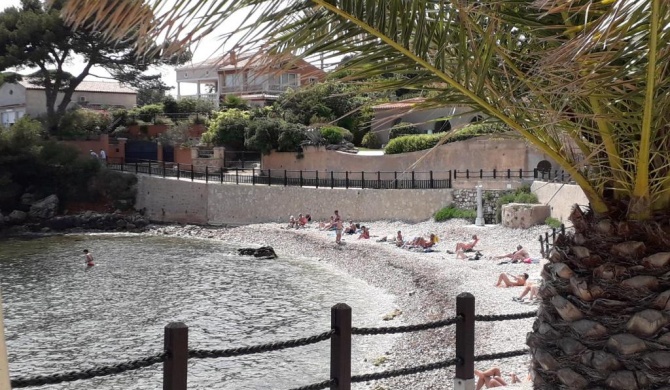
(312, 80)
(82, 99)
(441, 126)
(289, 79)
(185, 75)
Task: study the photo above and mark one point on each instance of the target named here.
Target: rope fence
(548, 240)
(176, 352)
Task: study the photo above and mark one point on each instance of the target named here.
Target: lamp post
(4, 366)
(480, 207)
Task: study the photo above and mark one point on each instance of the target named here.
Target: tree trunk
(605, 311)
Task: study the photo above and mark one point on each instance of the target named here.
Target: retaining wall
(170, 200)
(560, 197)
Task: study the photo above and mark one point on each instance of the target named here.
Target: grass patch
(451, 212)
(552, 222)
(521, 195)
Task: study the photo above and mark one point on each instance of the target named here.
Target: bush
(163, 120)
(332, 135)
(263, 134)
(371, 141)
(80, 123)
(149, 112)
(520, 195)
(412, 143)
(403, 128)
(552, 222)
(228, 129)
(291, 137)
(451, 212)
(117, 187)
(177, 135)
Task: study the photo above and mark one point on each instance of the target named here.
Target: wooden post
(4, 365)
(206, 173)
(467, 173)
(301, 178)
(192, 174)
(509, 173)
(379, 179)
(521, 173)
(395, 179)
(449, 184)
(149, 167)
(546, 242)
(317, 178)
(542, 247)
(413, 186)
(175, 366)
(481, 173)
(362, 179)
(346, 179)
(340, 347)
(136, 167)
(178, 171)
(465, 342)
(221, 174)
(494, 173)
(269, 177)
(253, 176)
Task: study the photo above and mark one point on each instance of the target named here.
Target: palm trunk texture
(603, 321)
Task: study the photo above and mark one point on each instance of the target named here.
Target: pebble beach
(425, 285)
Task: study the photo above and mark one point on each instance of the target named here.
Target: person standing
(94, 154)
(88, 258)
(338, 230)
(103, 156)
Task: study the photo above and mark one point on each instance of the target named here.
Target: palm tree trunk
(605, 311)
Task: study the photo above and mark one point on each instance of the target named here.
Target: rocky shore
(425, 285)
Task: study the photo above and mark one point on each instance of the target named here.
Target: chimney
(233, 57)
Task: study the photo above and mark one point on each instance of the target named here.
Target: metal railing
(177, 353)
(510, 174)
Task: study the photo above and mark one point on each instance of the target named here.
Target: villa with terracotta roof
(253, 76)
(428, 121)
(24, 98)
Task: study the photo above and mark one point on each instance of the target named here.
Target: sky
(205, 49)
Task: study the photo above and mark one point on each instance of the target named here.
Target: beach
(425, 286)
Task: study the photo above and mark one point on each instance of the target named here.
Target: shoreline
(424, 285)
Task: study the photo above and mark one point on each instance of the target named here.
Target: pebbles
(425, 285)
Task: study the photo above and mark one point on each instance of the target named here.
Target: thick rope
(217, 353)
(316, 386)
(404, 329)
(505, 317)
(404, 371)
(88, 374)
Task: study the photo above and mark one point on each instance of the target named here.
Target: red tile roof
(92, 86)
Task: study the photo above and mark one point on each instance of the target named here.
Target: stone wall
(560, 198)
(169, 200)
(467, 199)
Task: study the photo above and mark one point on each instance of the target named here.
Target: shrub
(234, 101)
(163, 120)
(371, 141)
(552, 222)
(331, 134)
(263, 134)
(149, 112)
(451, 212)
(403, 128)
(197, 119)
(176, 135)
(412, 143)
(80, 123)
(228, 128)
(291, 137)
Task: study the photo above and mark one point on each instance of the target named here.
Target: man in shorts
(338, 230)
(88, 258)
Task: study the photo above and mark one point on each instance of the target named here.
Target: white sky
(208, 47)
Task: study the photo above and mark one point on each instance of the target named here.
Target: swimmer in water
(89, 258)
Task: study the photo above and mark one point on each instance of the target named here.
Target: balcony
(257, 88)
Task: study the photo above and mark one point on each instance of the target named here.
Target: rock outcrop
(264, 252)
(44, 208)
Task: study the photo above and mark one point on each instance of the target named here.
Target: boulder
(44, 208)
(17, 216)
(264, 252)
(27, 199)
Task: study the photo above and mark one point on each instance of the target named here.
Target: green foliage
(177, 135)
(332, 135)
(170, 106)
(371, 141)
(403, 128)
(80, 123)
(163, 120)
(190, 105)
(520, 195)
(234, 101)
(266, 134)
(451, 212)
(552, 222)
(291, 137)
(116, 186)
(412, 143)
(148, 113)
(227, 129)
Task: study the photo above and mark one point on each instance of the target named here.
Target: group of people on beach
(300, 222)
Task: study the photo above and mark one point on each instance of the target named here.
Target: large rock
(264, 252)
(522, 215)
(17, 216)
(45, 208)
(27, 199)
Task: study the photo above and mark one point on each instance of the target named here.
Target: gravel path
(425, 285)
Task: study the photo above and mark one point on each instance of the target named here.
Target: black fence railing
(547, 241)
(511, 174)
(176, 352)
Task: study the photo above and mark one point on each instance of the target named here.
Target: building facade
(255, 77)
(23, 98)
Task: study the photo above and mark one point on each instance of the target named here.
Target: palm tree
(584, 81)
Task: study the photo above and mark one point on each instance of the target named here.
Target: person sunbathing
(302, 221)
(328, 225)
(398, 239)
(365, 234)
(492, 378)
(351, 229)
(517, 256)
(467, 246)
(511, 280)
(425, 243)
(531, 288)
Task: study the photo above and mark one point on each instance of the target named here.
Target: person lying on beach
(531, 288)
(302, 220)
(492, 378)
(327, 225)
(465, 247)
(365, 233)
(351, 229)
(424, 243)
(517, 256)
(511, 280)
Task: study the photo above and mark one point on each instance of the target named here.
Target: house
(387, 115)
(24, 98)
(253, 76)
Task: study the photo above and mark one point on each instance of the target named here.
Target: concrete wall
(560, 197)
(36, 100)
(486, 153)
(186, 202)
